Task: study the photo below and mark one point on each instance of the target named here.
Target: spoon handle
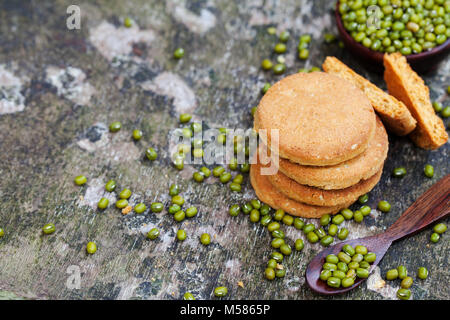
(433, 205)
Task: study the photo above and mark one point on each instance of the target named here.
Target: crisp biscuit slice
(345, 174)
(321, 119)
(319, 197)
(275, 199)
(394, 113)
(406, 85)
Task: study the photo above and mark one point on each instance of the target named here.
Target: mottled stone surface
(60, 89)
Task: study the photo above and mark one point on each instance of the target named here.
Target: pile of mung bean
(272, 220)
(342, 269)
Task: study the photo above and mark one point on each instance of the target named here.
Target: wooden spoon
(431, 206)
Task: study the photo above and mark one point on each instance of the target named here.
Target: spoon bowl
(431, 206)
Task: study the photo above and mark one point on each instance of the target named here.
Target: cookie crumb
(379, 284)
(127, 210)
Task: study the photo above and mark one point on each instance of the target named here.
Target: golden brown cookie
(322, 119)
(319, 197)
(344, 174)
(406, 85)
(393, 112)
(268, 194)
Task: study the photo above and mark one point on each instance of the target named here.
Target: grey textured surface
(63, 88)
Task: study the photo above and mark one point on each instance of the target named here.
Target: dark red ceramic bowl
(421, 62)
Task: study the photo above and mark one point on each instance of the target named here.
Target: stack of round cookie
(331, 147)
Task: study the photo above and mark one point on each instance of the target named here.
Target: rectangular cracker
(394, 114)
(407, 86)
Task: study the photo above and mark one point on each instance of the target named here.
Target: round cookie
(345, 174)
(322, 119)
(268, 194)
(319, 197)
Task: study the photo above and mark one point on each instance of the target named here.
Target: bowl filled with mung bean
(418, 29)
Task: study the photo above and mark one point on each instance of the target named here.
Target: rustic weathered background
(60, 89)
